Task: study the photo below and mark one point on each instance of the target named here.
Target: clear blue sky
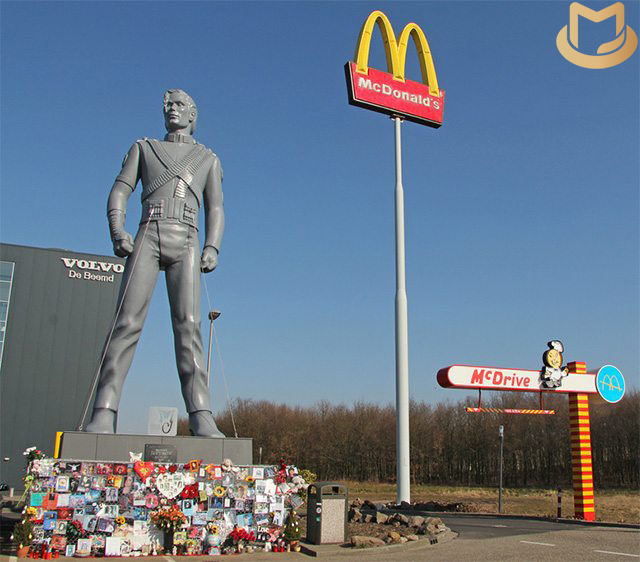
(521, 211)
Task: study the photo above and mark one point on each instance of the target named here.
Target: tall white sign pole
(403, 492)
(367, 88)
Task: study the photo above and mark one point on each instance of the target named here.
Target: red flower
(190, 492)
(282, 473)
(239, 534)
(173, 468)
(162, 469)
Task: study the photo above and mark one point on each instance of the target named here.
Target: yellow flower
(250, 479)
(218, 491)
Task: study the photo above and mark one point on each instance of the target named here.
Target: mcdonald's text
(364, 82)
(380, 91)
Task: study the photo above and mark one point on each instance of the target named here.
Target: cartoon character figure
(552, 373)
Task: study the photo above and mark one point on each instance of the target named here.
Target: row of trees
(448, 445)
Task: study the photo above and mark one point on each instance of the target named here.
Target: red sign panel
(379, 91)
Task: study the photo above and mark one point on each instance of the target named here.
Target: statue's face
(178, 114)
(554, 357)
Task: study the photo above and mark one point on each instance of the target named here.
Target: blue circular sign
(610, 383)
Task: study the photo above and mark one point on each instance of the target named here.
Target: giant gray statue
(178, 176)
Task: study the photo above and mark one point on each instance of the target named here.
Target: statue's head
(180, 111)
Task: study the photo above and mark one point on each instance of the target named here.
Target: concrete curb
(515, 516)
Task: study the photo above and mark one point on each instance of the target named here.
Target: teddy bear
(297, 483)
(227, 466)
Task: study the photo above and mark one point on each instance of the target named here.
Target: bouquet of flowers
(168, 518)
(281, 476)
(75, 532)
(32, 454)
(240, 534)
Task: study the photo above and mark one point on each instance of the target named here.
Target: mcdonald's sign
(390, 92)
(610, 383)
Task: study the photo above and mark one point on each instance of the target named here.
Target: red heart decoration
(143, 469)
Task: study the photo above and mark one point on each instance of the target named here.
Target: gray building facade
(56, 309)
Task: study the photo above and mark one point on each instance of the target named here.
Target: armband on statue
(116, 224)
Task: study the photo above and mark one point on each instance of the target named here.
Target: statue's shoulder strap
(173, 168)
(155, 147)
(192, 168)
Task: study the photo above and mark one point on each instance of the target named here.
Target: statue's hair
(192, 104)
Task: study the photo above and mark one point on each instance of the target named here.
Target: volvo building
(56, 309)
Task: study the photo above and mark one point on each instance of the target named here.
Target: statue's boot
(202, 424)
(103, 420)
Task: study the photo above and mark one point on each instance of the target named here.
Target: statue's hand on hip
(123, 246)
(209, 260)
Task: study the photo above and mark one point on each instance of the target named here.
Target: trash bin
(327, 513)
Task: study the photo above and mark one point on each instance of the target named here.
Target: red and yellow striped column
(582, 469)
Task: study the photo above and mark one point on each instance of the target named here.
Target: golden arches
(396, 52)
(388, 38)
(610, 381)
(424, 56)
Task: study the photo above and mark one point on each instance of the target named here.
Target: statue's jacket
(175, 178)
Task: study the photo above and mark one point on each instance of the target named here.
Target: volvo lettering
(92, 270)
(93, 265)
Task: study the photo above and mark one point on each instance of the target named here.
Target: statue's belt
(169, 208)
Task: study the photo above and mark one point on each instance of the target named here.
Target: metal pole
(212, 316)
(403, 492)
(559, 513)
(501, 430)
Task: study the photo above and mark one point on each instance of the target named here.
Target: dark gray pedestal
(77, 445)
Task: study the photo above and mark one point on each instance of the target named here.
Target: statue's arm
(117, 203)
(213, 216)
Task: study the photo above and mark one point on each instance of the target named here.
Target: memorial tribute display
(178, 176)
(78, 508)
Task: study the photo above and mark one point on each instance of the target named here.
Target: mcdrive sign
(499, 378)
(389, 92)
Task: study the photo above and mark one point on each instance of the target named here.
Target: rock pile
(433, 506)
(401, 528)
